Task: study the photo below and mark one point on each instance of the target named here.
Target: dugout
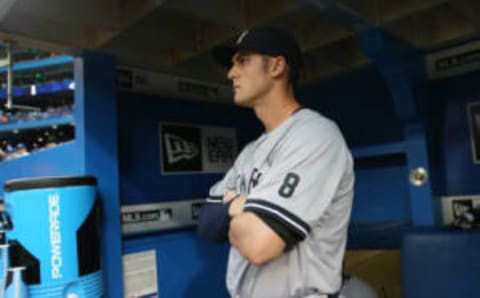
(400, 79)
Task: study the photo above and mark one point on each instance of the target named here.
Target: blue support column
(97, 137)
(402, 69)
(396, 63)
(421, 200)
(401, 66)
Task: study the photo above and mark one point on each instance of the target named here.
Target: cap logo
(241, 37)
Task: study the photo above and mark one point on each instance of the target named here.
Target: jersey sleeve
(303, 179)
(231, 180)
(219, 189)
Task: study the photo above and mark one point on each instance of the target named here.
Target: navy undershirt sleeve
(289, 236)
(214, 221)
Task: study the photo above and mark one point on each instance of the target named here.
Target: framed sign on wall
(188, 148)
(474, 121)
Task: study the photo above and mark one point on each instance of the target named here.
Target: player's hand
(229, 195)
(236, 207)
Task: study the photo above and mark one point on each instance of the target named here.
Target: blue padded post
(97, 135)
(441, 264)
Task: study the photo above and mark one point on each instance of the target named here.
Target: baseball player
(285, 204)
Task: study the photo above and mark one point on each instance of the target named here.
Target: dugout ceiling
(175, 36)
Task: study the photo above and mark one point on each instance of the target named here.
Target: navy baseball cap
(266, 40)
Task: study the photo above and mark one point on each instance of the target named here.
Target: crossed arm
(251, 236)
(246, 231)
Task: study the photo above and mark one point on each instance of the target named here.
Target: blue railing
(40, 63)
(37, 89)
(37, 123)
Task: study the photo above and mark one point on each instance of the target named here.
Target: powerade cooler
(55, 235)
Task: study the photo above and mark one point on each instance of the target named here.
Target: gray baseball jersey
(354, 287)
(301, 175)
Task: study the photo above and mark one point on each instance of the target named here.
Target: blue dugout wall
(448, 100)
(140, 164)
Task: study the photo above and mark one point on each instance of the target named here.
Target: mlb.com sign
(187, 148)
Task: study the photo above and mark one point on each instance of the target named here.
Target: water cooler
(54, 235)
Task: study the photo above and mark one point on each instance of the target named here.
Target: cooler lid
(47, 182)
